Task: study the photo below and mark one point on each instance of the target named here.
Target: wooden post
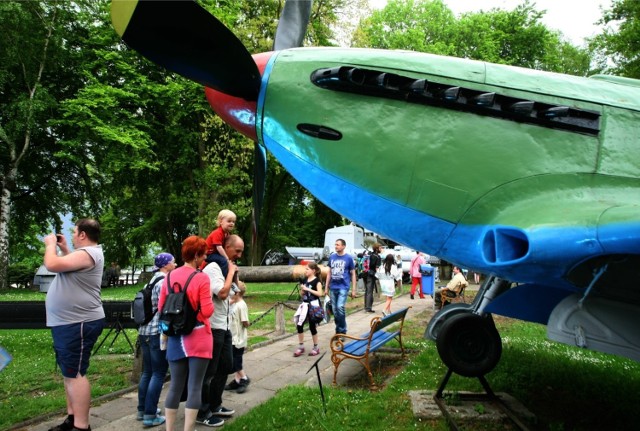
(137, 365)
(280, 319)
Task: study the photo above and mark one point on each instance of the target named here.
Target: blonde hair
(242, 288)
(223, 214)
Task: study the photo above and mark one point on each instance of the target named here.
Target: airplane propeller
(293, 23)
(183, 37)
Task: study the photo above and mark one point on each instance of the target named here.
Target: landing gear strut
(467, 339)
(469, 344)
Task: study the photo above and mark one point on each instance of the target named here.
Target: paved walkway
(270, 368)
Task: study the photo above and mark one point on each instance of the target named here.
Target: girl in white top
(388, 274)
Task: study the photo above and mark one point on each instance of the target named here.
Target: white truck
(353, 235)
(358, 240)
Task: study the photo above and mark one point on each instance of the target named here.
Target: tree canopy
(517, 37)
(618, 46)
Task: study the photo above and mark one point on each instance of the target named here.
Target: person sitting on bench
(452, 289)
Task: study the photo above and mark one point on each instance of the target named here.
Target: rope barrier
(262, 316)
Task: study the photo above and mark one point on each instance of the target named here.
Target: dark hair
(389, 262)
(343, 242)
(90, 227)
(315, 267)
(193, 246)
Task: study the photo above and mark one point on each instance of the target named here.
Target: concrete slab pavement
(270, 367)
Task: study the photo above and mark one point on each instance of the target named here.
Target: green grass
(32, 385)
(565, 387)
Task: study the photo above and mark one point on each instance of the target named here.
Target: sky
(574, 18)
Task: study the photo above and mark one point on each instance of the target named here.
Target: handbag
(316, 312)
(327, 309)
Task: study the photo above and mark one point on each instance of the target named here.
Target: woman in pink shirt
(416, 277)
(189, 355)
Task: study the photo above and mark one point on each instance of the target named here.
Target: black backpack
(141, 308)
(178, 316)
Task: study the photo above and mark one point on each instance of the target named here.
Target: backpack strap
(187, 285)
(170, 288)
(151, 286)
(189, 279)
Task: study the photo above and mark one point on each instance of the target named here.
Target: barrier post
(280, 319)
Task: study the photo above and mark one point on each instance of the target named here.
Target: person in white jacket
(388, 274)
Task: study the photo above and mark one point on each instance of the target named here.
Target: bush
(21, 275)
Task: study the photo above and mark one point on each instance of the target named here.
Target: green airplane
(529, 177)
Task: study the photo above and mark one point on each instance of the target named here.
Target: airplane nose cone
(236, 111)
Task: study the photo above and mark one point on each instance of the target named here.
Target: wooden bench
(345, 346)
(451, 296)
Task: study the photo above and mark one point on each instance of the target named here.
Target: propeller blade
(183, 37)
(293, 24)
(259, 182)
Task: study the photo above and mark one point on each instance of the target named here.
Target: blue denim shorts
(73, 343)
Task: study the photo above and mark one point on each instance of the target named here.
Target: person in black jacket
(370, 280)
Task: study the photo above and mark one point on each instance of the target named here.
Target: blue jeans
(338, 301)
(154, 369)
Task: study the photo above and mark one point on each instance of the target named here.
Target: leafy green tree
(618, 47)
(146, 130)
(37, 69)
(519, 38)
(123, 140)
(417, 25)
(516, 37)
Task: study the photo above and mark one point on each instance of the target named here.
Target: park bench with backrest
(451, 296)
(345, 346)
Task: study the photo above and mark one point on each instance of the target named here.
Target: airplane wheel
(469, 344)
(441, 316)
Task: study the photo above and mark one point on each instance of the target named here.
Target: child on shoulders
(215, 241)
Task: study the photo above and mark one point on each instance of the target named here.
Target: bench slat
(370, 342)
(379, 339)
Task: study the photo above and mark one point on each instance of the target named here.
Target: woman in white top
(388, 274)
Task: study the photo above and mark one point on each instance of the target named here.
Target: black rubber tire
(435, 324)
(469, 344)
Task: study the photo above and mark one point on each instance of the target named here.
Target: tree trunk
(275, 273)
(5, 218)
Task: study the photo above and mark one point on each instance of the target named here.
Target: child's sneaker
(299, 351)
(315, 351)
(232, 386)
(242, 386)
(153, 421)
